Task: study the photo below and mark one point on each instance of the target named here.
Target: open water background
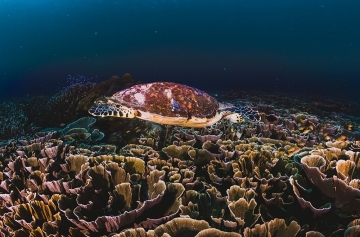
(309, 46)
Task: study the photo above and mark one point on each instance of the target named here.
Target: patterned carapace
(168, 99)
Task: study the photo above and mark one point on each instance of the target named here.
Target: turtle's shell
(168, 99)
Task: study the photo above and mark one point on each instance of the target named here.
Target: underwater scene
(179, 118)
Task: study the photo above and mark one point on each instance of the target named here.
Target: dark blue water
(308, 46)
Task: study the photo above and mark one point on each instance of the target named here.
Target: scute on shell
(168, 99)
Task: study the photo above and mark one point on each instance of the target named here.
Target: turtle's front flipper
(240, 114)
(105, 109)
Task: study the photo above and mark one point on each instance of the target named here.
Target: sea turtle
(169, 103)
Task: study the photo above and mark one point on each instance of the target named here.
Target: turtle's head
(111, 108)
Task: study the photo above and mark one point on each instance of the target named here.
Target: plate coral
(294, 173)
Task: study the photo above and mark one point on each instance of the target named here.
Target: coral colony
(290, 169)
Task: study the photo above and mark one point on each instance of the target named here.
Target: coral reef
(30, 114)
(105, 88)
(63, 105)
(294, 173)
(13, 120)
